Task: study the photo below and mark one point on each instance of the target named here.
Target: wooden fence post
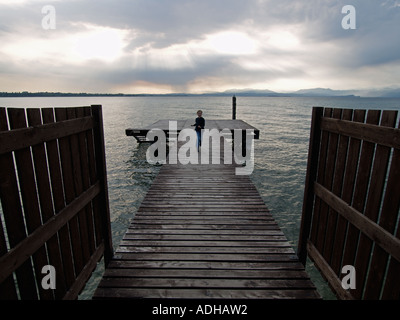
(233, 108)
(102, 174)
(312, 166)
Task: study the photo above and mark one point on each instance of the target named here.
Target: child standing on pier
(200, 123)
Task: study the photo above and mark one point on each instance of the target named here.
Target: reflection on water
(128, 184)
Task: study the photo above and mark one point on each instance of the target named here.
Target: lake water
(280, 153)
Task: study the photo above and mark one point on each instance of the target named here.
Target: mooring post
(244, 137)
(233, 107)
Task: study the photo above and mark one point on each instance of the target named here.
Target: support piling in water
(234, 108)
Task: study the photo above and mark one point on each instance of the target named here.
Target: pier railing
(350, 221)
(55, 223)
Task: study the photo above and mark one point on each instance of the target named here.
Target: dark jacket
(200, 122)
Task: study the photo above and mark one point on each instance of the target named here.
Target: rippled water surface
(280, 153)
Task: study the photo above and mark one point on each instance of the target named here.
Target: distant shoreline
(222, 94)
(306, 93)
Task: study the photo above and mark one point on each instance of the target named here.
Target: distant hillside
(314, 92)
(322, 92)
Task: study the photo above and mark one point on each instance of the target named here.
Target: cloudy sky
(163, 46)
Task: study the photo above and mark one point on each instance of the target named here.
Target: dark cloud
(154, 26)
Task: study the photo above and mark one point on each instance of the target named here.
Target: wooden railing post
(312, 166)
(102, 174)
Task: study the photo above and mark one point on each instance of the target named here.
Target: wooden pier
(164, 125)
(203, 232)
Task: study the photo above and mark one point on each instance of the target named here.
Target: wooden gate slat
(46, 202)
(337, 186)
(325, 212)
(360, 190)
(387, 220)
(320, 178)
(372, 207)
(54, 162)
(348, 189)
(29, 197)
(69, 192)
(78, 189)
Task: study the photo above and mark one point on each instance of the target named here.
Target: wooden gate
(54, 199)
(351, 201)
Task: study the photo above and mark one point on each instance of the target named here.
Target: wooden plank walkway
(204, 232)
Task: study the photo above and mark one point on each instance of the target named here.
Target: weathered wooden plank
(391, 290)
(126, 248)
(26, 247)
(379, 171)
(247, 237)
(347, 194)
(101, 170)
(26, 137)
(318, 205)
(129, 293)
(382, 135)
(69, 192)
(85, 274)
(337, 186)
(78, 188)
(204, 219)
(93, 178)
(54, 163)
(200, 220)
(208, 257)
(202, 243)
(85, 164)
(326, 213)
(328, 273)
(13, 216)
(360, 190)
(158, 231)
(388, 219)
(216, 207)
(312, 170)
(232, 266)
(203, 202)
(192, 226)
(198, 273)
(204, 210)
(7, 287)
(384, 239)
(260, 215)
(46, 202)
(27, 185)
(177, 283)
